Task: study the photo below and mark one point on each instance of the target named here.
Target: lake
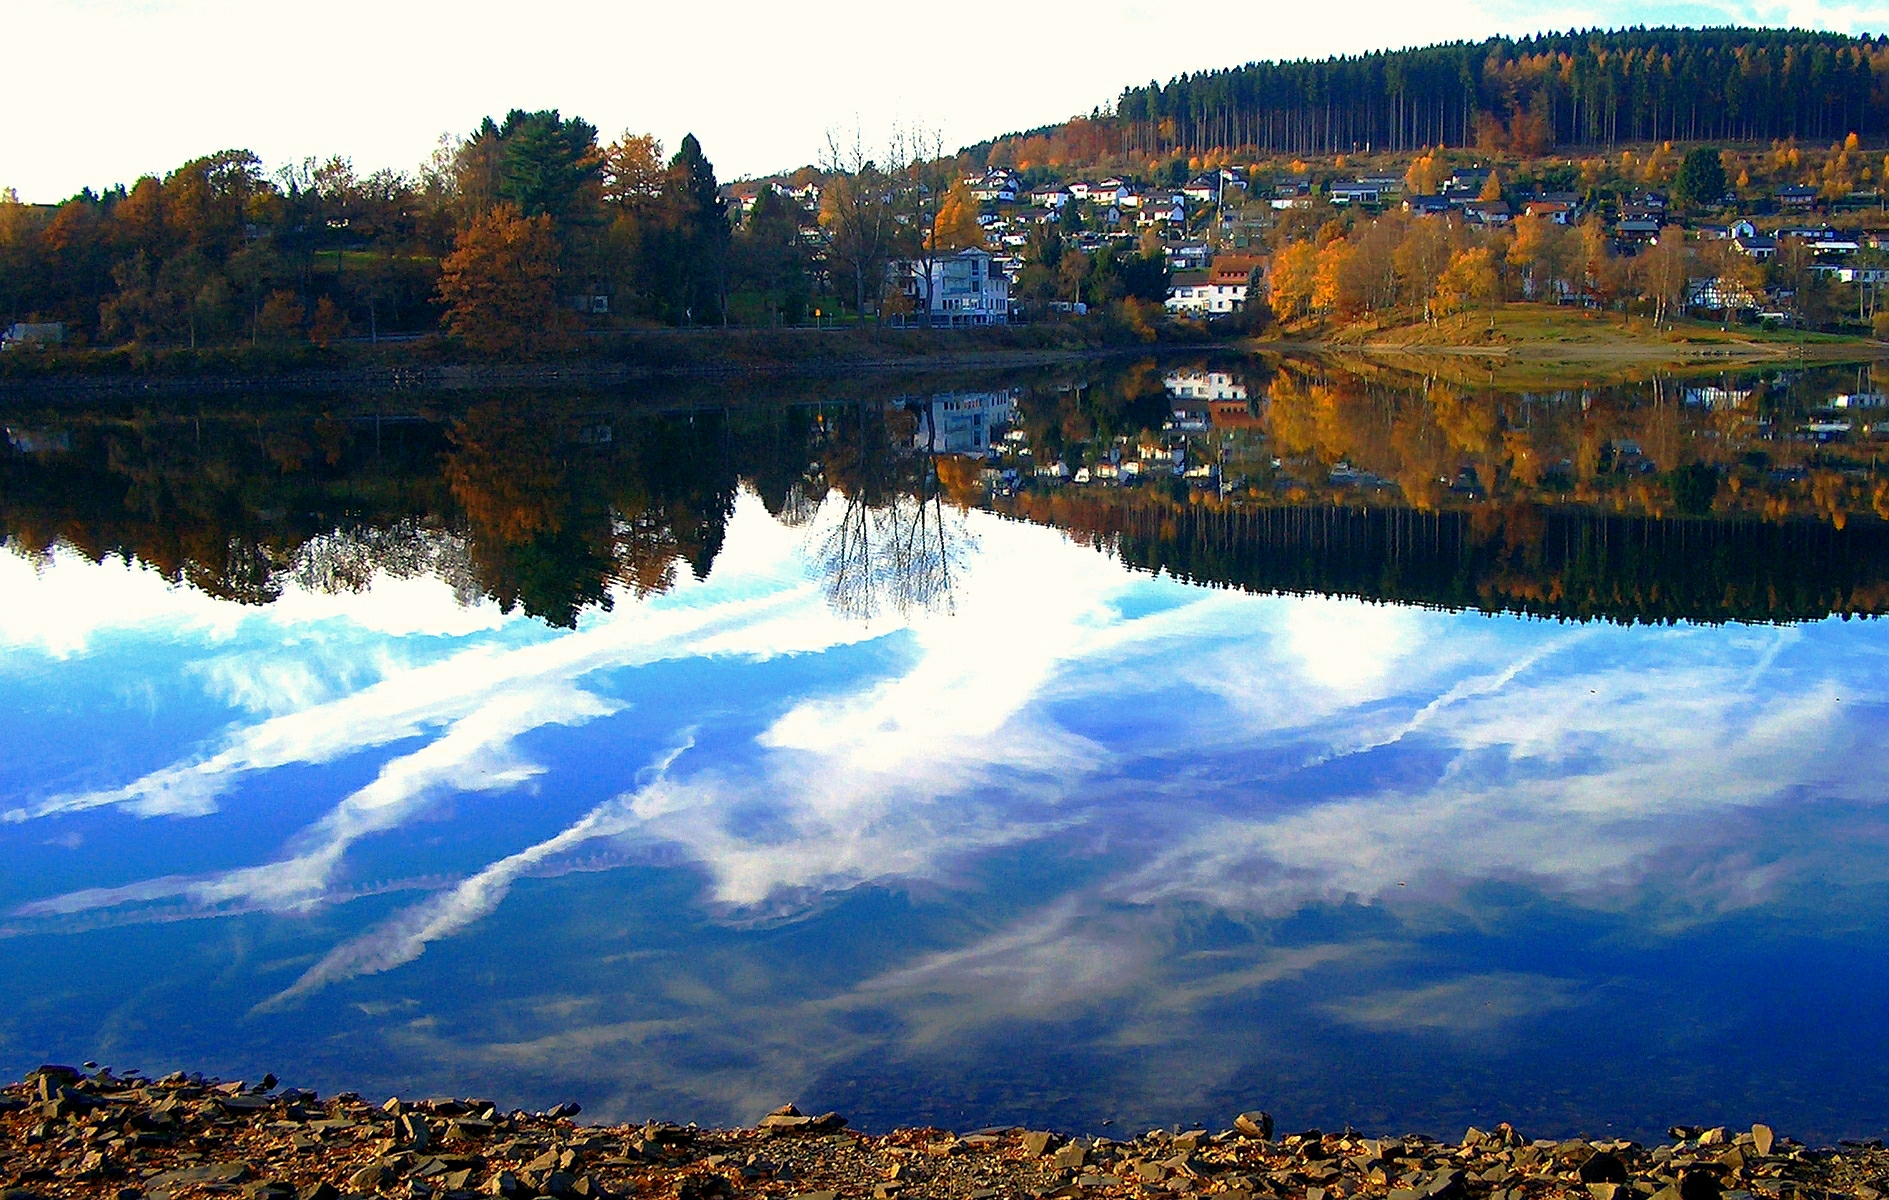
(1375, 751)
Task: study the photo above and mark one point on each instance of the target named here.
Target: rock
(371, 1178)
(202, 1173)
(569, 1108)
(1713, 1137)
(1602, 1167)
(1762, 1139)
(502, 1184)
(1070, 1157)
(19, 1193)
(815, 1196)
(1255, 1124)
(1036, 1144)
(269, 1189)
(558, 1183)
(1602, 1191)
(414, 1131)
(322, 1190)
(1732, 1160)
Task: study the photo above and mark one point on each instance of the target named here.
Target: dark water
(686, 758)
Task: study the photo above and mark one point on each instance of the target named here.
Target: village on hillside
(1215, 231)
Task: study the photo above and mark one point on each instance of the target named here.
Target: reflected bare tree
(894, 543)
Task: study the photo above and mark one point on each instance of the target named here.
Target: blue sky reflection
(1091, 845)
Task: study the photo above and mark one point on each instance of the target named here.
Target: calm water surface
(1047, 840)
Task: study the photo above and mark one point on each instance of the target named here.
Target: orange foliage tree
(499, 284)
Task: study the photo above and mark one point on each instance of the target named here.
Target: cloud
(1467, 1007)
(404, 937)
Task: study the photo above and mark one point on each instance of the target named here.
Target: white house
(966, 288)
(1050, 195)
(998, 187)
(1203, 189)
(1214, 292)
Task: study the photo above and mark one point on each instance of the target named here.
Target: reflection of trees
(348, 560)
(1544, 561)
(893, 542)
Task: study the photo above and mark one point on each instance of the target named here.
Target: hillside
(1525, 95)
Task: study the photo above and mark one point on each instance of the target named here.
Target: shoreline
(71, 1133)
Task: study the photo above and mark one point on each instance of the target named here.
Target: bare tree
(858, 212)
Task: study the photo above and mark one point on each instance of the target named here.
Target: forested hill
(1525, 95)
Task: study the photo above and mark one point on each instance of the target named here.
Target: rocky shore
(66, 1132)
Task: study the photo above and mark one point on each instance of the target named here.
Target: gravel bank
(65, 1132)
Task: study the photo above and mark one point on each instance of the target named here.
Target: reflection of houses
(49, 333)
(1717, 398)
(961, 422)
(1204, 385)
(966, 288)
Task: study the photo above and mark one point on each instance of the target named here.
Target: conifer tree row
(1526, 95)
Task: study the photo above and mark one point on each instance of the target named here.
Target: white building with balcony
(966, 288)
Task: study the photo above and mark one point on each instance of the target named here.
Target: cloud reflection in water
(1189, 771)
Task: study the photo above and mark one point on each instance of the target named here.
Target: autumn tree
(1294, 275)
(499, 285)
(1661, 270)
(956, 227)
(1470, 279)
(632, 169)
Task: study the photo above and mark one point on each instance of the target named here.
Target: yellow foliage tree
(1422, 178)
(1294, 273)
(1468, 280)
(499, 284)
(1333, 288)
(956, 226)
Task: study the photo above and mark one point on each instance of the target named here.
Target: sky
(103, 91)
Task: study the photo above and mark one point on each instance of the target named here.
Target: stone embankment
(67, 1133)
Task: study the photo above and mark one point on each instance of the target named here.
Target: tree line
(1588, 88)
(498, 233)
(1355, 269)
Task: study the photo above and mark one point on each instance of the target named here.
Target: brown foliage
(500, 284)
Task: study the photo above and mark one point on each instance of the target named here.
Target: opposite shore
(1522, 342)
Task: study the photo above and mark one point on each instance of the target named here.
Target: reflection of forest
(1650, 502)
(1526, 558)
(538, 503)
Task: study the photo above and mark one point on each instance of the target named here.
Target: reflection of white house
(1204, 385)
(967, 288)
(961, 422)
